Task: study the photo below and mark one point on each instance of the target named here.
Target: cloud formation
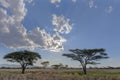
(109, 9)
(41, 39)
(91, 3)
(13, 34)
(61, 24)
(56, 2)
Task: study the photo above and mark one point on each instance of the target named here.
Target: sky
(52, 27)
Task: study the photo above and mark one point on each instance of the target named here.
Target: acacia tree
(57, 66)
(87, 56)
(24, 58)
(45, 64)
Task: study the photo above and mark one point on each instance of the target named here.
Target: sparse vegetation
(37, 74)
(59, 71)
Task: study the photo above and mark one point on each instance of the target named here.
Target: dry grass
(36, 74)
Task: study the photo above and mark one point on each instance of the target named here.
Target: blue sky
(52, 27)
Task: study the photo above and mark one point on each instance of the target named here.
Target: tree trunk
(23, 69)
(84, 69)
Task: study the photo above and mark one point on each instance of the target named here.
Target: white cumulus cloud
(4, 3)
(43, 40)
(56, 2)
(61, 24)
(13, 34)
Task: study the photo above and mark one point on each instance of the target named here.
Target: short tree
(66, 66)
(24, 58)
(87, 56)
(45, 64)
(57, 66)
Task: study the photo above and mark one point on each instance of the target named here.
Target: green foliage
(57, 66)
(45, 63)
(87, 56)
(24, 58)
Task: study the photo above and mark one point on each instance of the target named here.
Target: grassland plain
(50, 74)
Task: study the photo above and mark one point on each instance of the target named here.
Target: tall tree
(24, 58)
(87, 56)
(45, 64)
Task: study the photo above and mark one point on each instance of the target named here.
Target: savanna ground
(50, 74)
